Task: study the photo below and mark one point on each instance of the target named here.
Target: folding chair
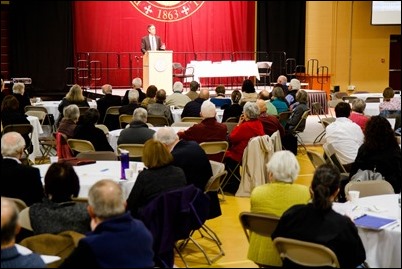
(259, 223)
(157, 120)
(370, 187)
(305, 253)
(315, 158)
(98, 155)
(215, 150)
(182, 73)
(296, 132)
(125, 119)
(80, 145)
(135, 150)
(192, 119)
(48, 120)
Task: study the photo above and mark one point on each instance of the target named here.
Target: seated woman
(87, 130)
(69, 121)
(389, 102)
(249, 126)
(159, 176)
(57, 212)
(380, 152)
(235, 109)
(357, 114)
(74, 96)
(278, 99)
(248, 91)
(274, 198)
(317, 222)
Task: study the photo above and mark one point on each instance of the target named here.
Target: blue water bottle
(125, 162)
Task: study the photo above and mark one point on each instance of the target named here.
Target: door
(395, 62)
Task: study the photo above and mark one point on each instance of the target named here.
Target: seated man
(104, 103)
(177, 98)
(159, 108)
(10, 257)
(117, 239)
(137, 84)
(209, 129)
(18, 180)
(270, 123)
(193, 108)
(138, 131)
(133, 103)
(345, 135)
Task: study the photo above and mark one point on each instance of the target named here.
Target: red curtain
(184, 26)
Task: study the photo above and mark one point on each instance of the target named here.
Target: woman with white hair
(274, 198)
(248, 127)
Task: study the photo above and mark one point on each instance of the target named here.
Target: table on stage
(383, 247)
(89, 174)
(209, 69)
(37, 130)
(52, 107)
(113, 136)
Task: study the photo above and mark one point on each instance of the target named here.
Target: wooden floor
(229, 230)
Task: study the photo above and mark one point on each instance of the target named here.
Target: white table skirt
(37, 130)
(383, 248)
(91, 173)
(52, 107)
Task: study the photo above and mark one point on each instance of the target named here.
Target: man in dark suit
(132, 104)
(151, 41)
(18, 180)
(193, 108)
(137, 84)
(190, 157)
(104, 103)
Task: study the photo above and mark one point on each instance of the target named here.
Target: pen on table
(104, 170)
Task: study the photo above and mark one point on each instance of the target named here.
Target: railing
(93, 69)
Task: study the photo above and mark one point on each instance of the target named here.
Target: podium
(157, 70)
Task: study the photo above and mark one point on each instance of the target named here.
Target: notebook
(373, 222)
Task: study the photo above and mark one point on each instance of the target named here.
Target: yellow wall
(339, 34)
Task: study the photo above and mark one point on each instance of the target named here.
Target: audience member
(209, 129)
(249, 126)
(283, 80)
(345, 135)
(293, 87)
(133, 103)
(220, 99)
(317, 222)
(18, 180)
(150, 99)
(357, 114)
(10, 257)
(136, 84)
(69, 121)
(160, 175)
(74, 96)
(189, 156)
(389, 101)
(278, 100)
(274, 198)
(103, 103)
(235, 109)
(266, 96)
(159, 108)
(270, 123)
(380, 152)
(177, 98)
(86, 130)
(138, 131)
(21, 95)
(194, 86)
(58, 212)
(248, 92)
(11, 115)
(193, 108)
(4, 92)
(117, 239)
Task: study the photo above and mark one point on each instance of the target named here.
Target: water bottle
(125, 161)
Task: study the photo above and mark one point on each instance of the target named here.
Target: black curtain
(41, 44)
(281, 29)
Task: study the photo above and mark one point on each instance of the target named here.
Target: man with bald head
(10, 257)
(117, 239)
(193, 108)
(266, 96)
(18, 180)
(270, 123)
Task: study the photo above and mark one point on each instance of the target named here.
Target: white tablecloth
(383, 248)
(114, 135)
(176, 113)
(37, 129)
(91, 173)
(208, 69)
(52, 107)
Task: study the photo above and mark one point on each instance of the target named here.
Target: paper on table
(373, 222)
(46, 258)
